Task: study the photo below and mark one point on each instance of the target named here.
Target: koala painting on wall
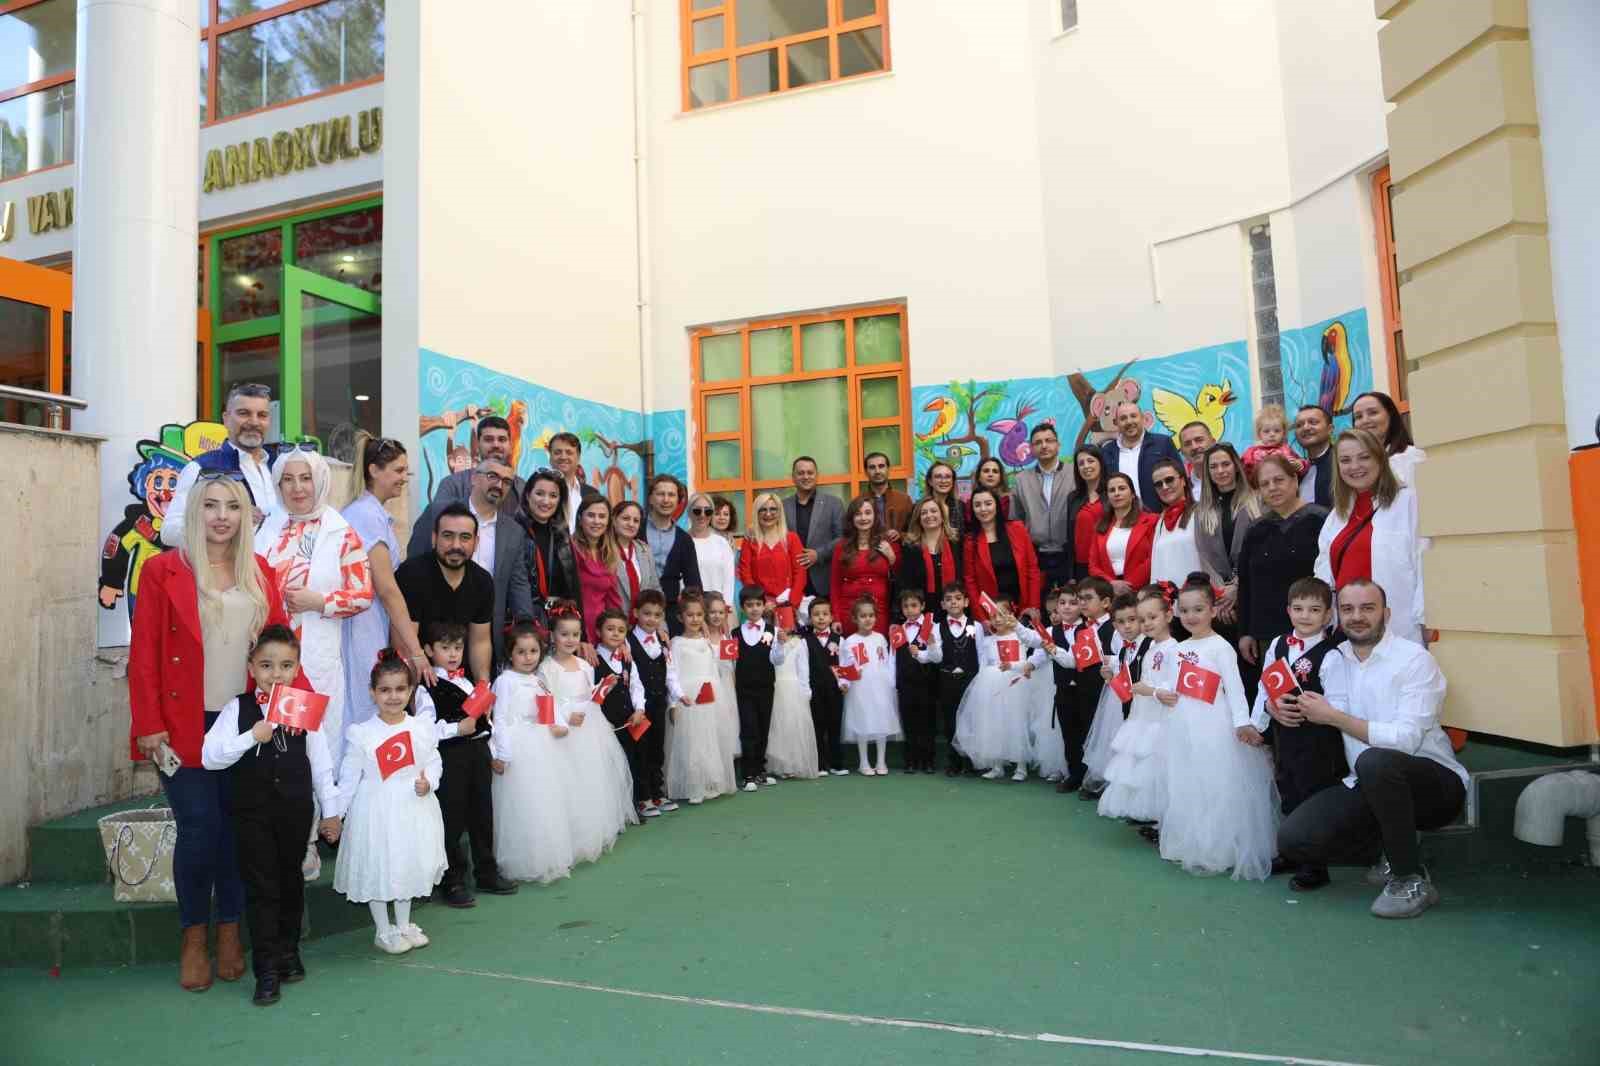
(1101, 424)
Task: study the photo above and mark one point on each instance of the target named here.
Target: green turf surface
(972, 903)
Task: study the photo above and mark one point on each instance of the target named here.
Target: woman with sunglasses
(711, 549)
(636, 567)
(552, 568)
(771, 555)
(1173, 555)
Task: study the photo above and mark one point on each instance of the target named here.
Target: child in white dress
(871, 712)
(1108, 717)
(992, 722)
(1222, 804)
(699, 767)
(719, 627)
(1136, 773)
(393, 834)
(791, 739)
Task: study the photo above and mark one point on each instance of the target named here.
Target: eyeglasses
(700, 510)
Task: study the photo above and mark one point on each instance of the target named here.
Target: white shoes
(995, 774)
(393, 942)
(1020, 775)
(414, 936)
(666, 806)
(769, 779)
(840, 773)
(696, 802)
(882, 771)
(749, 786)
(647, 811)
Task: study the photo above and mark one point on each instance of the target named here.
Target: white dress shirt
(483, 553)
(1397, 691)
(1259, 716)
(1308, 484)
(614, 660)
(225, 745)
(655, 648)
(574, 497)
(1128, 461)
(422, 703)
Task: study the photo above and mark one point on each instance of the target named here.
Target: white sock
(883, 754)
(402, 913)
(380, 916)
(861, 746)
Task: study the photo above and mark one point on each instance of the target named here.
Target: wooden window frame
(746, 486)
(212, 31)
(8, 93)
(1389, 285)
(730, 52)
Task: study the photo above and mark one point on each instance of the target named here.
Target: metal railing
(55, 405)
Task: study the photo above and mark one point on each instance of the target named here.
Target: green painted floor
(994, 906)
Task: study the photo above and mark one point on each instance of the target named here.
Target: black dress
(1276, 553)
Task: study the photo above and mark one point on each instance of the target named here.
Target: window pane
(708, 84)
(885, 439)
(861, 51)
(722, 413)
(298, 54)
(877, 340)
(800, 418)
(758, 73)
(721, 357)
(341, 378)
(256, 360)
(700, 4)
(205, 77)
(771, 351)
(859, 9)
(723, 460)
(822, 343)
(38, 42)
(708, 34)
(767, 20)
(251, 270)
(36, 131)
(1069, 14)
(205, 12)
(347, 248)
(808, 62)
(880, 397)
(24, 357)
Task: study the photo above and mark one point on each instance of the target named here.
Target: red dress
(868, 574)
(776, 568)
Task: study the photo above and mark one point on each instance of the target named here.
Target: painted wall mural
(1328, 363)
(622, 449)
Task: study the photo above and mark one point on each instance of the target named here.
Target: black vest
(1066, 677)
(618, 705)
(958, 652)
(652, 673)
(263, 773)
(820, 662)
(910, 675)
(447, 707)
(1309, 678)
(753, 668)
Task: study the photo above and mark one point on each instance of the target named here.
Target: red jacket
(1136, 564)
(775, 568)
(868, 574)
(166, 661)
(980, 570)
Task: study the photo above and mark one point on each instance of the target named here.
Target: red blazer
(868, 574)
(775, 569)
(166, 661)
(1136, 565)
(980, 570)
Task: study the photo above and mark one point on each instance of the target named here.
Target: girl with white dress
(393, 833)
(1108, 720)
(1049, 753)
(791, 738)
(871, 707)
(1222, 804)
(1136, 774)
(698, 768)
(719, 628)
(993, 719)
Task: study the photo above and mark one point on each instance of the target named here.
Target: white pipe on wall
(641, 222)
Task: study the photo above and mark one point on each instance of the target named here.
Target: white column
(136, 233)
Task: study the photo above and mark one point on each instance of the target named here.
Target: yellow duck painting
(1208, 407)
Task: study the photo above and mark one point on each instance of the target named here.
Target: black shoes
(496, 885)
(457, 896)
(1309, 879)
(291, 969)
(266, 990)
(1069, 784)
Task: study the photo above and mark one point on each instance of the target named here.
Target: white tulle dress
(392, 845)
(791, 740)
(871, 707)
(1136, 774)
(1222, 804)
(727, 708)
(698, 764)
(1049, 753)
(599, 786)
(532, 830)
(1108, 719)
(994, 719)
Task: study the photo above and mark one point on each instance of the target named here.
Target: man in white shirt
(1193, 440)
(1383, 693)
(1135, 452)
(501, 547)
(489, 479)
(247, 416)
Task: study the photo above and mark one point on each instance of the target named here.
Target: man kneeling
(1383, 693)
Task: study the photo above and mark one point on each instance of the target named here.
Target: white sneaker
(749, 786)
(771, 780)
(414, 936)
(696, 802)
(666, 806)
(865, 771)
(392, 942)
(1378, 873)
(647, 811)
(994, 775)
(1020, 775)
(840, 773)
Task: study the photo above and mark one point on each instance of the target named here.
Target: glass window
(771, 351)
(24, 357)
(708, 84)
(251, 271)
(205, 78)
(347, 248)
(861, 51)
(859, 9)
(722, 413)
(768, 20)
(37, 130)
(758, 73)
(880, 397)
(723, 460)
(810, 39)
(38, 42)
(341, 387)
(800, 418)
(257, 359)
(822, 346)
(877, 340)
(721, 357)
(298, 54)
(709, 34)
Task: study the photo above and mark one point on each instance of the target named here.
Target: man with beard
(247, 416)
(1193, 440)
(1135, 451)
(501, 548)
(1383, 693)
(493, 437)
(1312, 428)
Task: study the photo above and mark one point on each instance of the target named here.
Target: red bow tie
(649, 639)
(457, 674)
(262, 698)
(1294, 642)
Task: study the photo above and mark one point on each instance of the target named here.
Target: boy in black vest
(271, 773)
(653, 666)
(955, 655)
(1063, 620)
(754, 678)
(624, 705)
(465, 789)
(917, 683)
(1094, 603)
(1309, 757)
(827, 702)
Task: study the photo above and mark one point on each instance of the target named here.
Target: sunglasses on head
(221, 475)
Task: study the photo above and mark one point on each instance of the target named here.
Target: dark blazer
(1156, 447)
(1322, 469)
(827, 527)
(457, 488)
(683, 565)
(513, 592)
(914, 571)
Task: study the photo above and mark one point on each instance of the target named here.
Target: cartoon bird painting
(947, 417)
(1014, 449)
(1209, 407)
(1333, 393)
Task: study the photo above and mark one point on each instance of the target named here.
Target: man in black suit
(817, 518)
(1135, 452)
(1312, 428)
(671, 547)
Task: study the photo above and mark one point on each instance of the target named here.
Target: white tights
(883, 752)
(380, 914)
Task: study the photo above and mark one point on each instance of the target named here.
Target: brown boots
(230, 953)
(194, 964)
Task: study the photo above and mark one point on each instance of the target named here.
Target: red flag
(785, 618)
(1278, 679)
(395, 753)
(1010, 651)
(1086, 648)
(637, 731)
(479, 702)
(927, 626)
(1122, 684)
(707, 693)
(295, 708)
(603, 689)
(990, 608)
(860, 653)
(729, 649)
(847, 673)
(1044, 634)
(897, 637)
(544, 709)
(1198, 683)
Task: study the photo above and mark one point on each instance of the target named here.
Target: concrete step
(68, 851)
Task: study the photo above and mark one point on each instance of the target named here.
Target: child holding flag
(992, 722)
(866, 675)
(791, 738)
(698, 766)
(1136, 776)
(916, 682)
(1114, 705)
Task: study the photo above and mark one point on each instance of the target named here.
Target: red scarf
(1170, 516)
(633, 574)
(947, 568)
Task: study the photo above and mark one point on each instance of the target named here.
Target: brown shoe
(194, 964)
(230, 953)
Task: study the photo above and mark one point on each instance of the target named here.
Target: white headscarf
(321, 480)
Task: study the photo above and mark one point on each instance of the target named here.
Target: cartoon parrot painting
(1014, 449)
(1209, 407)
(1333, 392)
(946, 408)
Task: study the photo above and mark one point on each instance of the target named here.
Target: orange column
(1585, 472)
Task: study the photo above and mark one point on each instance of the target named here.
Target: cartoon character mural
(153, 480)
(1327, 363)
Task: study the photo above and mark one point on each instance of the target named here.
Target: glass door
(332, 361)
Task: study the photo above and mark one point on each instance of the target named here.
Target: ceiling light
(347, 258)
(362, 397)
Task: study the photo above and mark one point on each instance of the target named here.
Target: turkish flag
(1010, 651)
(1278, 680)
(990, 608)
(707, 694)
(295, 708)
(729, 649)
(637, 731)
(927, 626)
(860, 653)
(1122, 684)
(785, 618)
(1198, 683)
(395, 754)
(479, 702)
(847, 673)
(1044, 634)
(1085, 648)
(544, 709)
(603, 689)
(897, 637)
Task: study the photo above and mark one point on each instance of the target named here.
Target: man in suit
(493, 442)
(892, 505)
(1312, 428)
(1135, 452)
(501, 548)
(671, 547)
(817, 518)
(1194, 439)
(1039, 500)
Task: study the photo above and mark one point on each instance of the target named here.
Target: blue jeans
(206, 858)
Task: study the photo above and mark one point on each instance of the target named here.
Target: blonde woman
(595, 551)
(1228, 508)
(930, 558)
(200, 609)
(770, 557)
(712, 551)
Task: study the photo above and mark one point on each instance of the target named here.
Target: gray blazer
(827, 527)
(513, 588)
(1217, 559)
(1049, 526)
(646, 563)
(457, 488)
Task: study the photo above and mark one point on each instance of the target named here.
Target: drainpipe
(641, 227)
(1544, 807)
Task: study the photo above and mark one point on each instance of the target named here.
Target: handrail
(55, 405)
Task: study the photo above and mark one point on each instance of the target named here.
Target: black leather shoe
(496, 885)
(1309, 879)
(1069, 785)
(1281, 866)
(266, 990)
(1089, 795)
(458, 896)
(291, 969)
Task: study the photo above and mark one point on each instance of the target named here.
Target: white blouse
(1173, 556)
(717, 565)
(1117, 547)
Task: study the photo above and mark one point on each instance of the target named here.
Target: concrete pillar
(137, 233)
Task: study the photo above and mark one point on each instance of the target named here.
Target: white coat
(1396, 560)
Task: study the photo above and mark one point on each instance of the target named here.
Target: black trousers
(827, 715)
(1076, 716)
(1395, 795)
(755, 718)
(1055, 568)
(951, 687)
(1306, 759)
(466, 802)
(653, 751)
(919, 707)
(272, 844)
(634, 750)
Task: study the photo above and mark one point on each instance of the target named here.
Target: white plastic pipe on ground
(1546, 804)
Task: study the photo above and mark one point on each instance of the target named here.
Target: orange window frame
(211, 32)
(1389, 284)
(12, 92)
(747, 485)
(730, 52)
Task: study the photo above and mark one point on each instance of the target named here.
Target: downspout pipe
(1546, 804)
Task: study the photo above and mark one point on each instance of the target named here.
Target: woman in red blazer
(1123, 537)
(167, 692)
(864, 563)
(770, 556)
(1000, 560)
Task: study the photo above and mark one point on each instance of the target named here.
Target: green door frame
(350, 302)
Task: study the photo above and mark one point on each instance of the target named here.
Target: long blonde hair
(779, 532)
(246, 575)
(1384, 490)
(914, 533)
